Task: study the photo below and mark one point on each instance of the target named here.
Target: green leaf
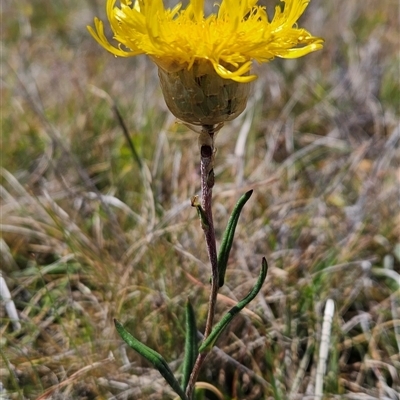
(200, 212)
(229, 233)
(152, 357)
(228, 317)
(191, 351)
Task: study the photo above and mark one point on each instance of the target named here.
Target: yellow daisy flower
(210, 56)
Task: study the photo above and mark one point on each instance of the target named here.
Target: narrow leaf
(191, 351)
(152, 357)
(200, 212)
(227, 240)
(228, 317)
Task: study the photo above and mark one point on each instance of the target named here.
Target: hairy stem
(206, 144)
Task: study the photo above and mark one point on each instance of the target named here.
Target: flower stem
(206, 144)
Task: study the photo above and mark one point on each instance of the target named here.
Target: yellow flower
(220, 45)
(237, 34)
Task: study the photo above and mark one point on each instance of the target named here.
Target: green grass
(90, 234)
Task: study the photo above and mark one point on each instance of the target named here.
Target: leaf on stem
(200, 212)
(151, 356)
(191, 351)
(229, 233)
(228, 317)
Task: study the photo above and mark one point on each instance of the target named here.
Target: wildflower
(205, 61)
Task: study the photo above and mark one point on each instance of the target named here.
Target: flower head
(224, 43)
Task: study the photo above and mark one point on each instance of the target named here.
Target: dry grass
(89, 234)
